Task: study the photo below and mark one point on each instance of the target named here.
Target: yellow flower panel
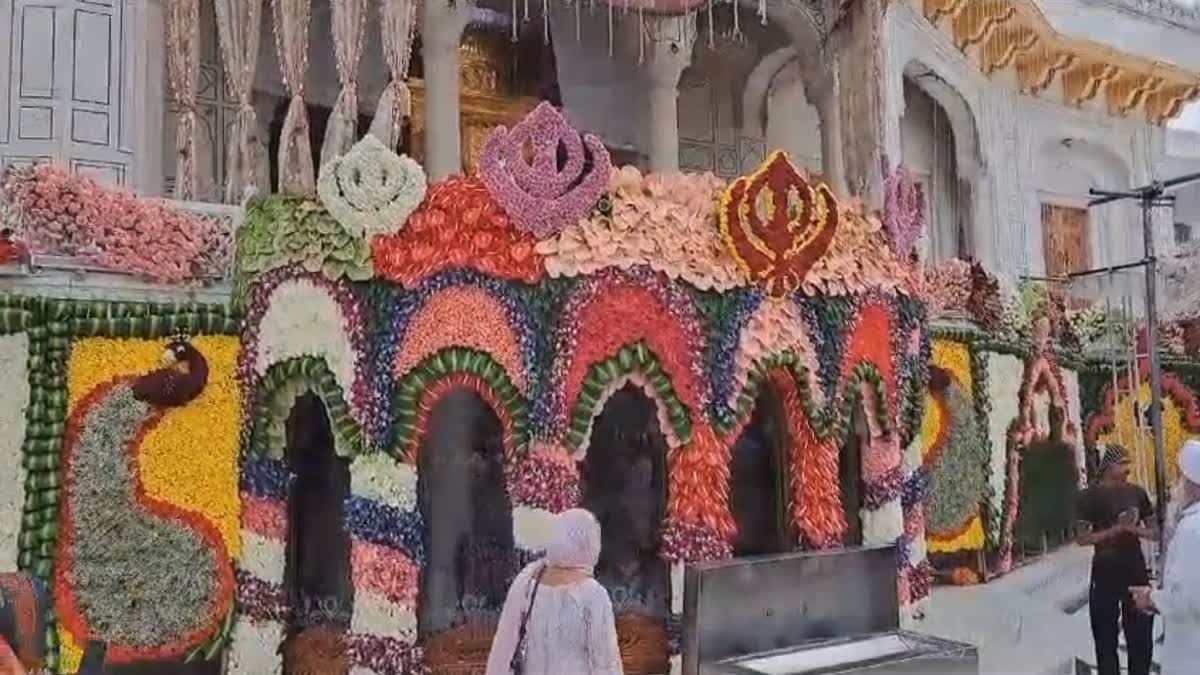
(955, 357)
(970, 540)
(1140, 442)
(931, 425)
(190, 459)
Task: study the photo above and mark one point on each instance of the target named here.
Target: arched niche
(624, 479)
(850, 474)
(940, 145)
(317, 573)
(469, 527)
(760, 481)
(1049, 483)
(624, 483)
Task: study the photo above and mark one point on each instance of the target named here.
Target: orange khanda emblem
(777, 224)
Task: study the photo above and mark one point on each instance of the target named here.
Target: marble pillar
(821, 88)
(442, 27)
(669, 51)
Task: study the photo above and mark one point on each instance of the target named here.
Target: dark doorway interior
(317, 575)
(468, 516)
(759, 482)
(624, 479)
(850, 475)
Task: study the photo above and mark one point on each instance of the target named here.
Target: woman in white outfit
(1178, 602)
(558, 620)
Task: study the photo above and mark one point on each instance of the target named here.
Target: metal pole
(1160, 453)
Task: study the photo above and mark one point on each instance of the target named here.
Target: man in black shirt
(1115, 513)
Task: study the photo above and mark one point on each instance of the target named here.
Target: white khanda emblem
(372, 190)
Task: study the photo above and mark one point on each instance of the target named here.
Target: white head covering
(1189, 461)
(576, 541)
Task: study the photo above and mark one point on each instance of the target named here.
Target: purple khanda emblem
(521, 169)
(903, 211)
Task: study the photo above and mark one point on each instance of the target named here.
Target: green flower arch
(412, 388)
(633, 358)
(286, 381)
(829, 419)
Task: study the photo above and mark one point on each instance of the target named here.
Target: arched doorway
(469, 532)
(759, 482)
(625, 486)
(317, 575)
(1049, 486)
(850, 460)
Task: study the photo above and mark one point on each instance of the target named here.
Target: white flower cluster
(380, 477)
(532, 528)
(378, 616)
(1075, 417)
(14, 398)
(304, 320)
(883, 525)
(1004, 373)
(254, 648)
(372, 190)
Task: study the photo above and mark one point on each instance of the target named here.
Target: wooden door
(1066, 243)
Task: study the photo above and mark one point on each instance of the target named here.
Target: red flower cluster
(459, 225)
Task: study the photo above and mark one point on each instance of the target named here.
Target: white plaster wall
(1023, 158)
(793, 124)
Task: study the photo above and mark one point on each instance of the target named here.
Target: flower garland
(396, 314)
(14, 401)
(378, 477)
(263, 608)
(460, 225)
(387, 556)
(294, 315)
(371, 190)
(611, 310)
(521, 169)
(774, 328)
(545, 478)
(419, 393)
(667, 222)
(66, 214)
(903, 210)
(463, 316)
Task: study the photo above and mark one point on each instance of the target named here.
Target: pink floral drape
(183, 68)
(348, 25)
(292, 18)
(398, 21)
(239, 23)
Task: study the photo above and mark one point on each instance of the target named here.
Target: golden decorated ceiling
(1003, 34)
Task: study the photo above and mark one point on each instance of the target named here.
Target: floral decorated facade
(1022, 390)
(550, 289)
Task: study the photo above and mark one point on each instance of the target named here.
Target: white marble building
(1008, 110)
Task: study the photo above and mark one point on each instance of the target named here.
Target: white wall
(1023, 160)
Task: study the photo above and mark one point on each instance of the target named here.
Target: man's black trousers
(1111, 606)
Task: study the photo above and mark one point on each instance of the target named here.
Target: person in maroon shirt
(1114, 513)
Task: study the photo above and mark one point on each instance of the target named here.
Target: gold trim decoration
(1016, 34)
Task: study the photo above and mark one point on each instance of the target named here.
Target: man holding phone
(1114, 514)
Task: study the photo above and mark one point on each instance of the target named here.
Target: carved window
(1066, 241)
